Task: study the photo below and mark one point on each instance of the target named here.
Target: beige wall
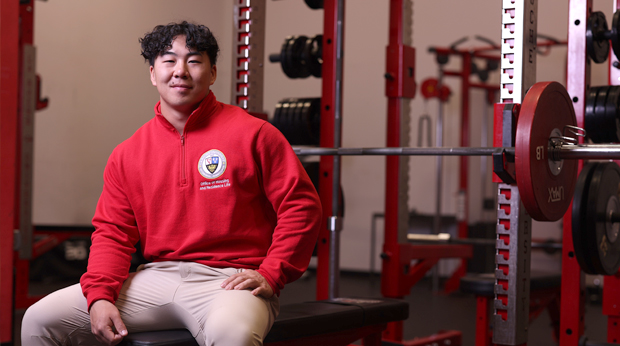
(100, 93)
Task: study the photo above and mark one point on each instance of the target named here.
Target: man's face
(182, 77)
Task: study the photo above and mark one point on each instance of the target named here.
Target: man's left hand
(249, 279)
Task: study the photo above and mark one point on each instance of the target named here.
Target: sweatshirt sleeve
(113, 240)
(297, 206)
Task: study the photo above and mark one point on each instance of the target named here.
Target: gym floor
(429, 312)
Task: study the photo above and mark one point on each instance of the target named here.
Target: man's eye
(168, 61)
(195, 61)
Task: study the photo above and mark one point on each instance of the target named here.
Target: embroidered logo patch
(212, 164)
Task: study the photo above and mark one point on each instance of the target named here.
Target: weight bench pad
(484, 284)
(300, 320)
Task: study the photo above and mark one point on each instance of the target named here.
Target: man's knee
(55, 316)
(226, 329)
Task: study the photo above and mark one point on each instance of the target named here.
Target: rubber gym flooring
(429, 312)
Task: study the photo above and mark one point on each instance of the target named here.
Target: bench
(544, 294)
(339, 321)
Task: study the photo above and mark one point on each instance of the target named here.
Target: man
(221, 206)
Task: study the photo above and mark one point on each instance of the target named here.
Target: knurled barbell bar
(544, 156)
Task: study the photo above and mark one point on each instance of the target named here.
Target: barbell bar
(562, 152)
(545, 169)
(446, 238)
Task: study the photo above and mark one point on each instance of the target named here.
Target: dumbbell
(598, 36)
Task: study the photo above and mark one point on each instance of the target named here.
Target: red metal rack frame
(9, 96)
(578, 78)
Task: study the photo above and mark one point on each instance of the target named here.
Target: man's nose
(180, 70)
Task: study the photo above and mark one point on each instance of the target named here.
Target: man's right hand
(106, 323)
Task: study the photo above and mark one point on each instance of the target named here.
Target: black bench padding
(173, 337)
(484, 284)
(300, 320)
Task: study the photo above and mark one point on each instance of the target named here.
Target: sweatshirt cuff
(94, 295)
(270, 281)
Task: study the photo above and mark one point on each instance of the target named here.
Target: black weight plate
(290, 117)
(289, 58)
(304, 118)
(306, 56)
(298, 121)
(314, 4)
(276, 121)
(299, 124)
(283, 56)
(307, 122)
(615, 34)
(579, 219)
(611, 115)
(603, 235)
(303, 122)
(314, 54)
(286, 123)
(315, 122)
(597, 45)
(297, 50)
(286, 59)
(598, 136)
(589, 115)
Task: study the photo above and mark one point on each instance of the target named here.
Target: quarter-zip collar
(207, 107)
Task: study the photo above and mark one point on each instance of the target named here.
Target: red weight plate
(546, 194)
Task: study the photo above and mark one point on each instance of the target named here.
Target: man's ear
(152, 72)
(213, 74)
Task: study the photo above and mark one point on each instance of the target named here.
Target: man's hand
(249, 279)
(106, 323)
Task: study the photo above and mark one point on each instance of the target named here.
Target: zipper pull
(182, 140)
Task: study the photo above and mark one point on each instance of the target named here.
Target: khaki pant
(164, 295)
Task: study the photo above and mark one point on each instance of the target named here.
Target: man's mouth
(181, 86)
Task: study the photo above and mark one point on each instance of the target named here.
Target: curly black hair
(198, 37)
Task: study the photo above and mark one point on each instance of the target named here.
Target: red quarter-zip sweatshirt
(228, 192)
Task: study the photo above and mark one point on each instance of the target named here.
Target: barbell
(550, 246)
(545, 152)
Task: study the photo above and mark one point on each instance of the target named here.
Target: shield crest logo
(212, 164)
